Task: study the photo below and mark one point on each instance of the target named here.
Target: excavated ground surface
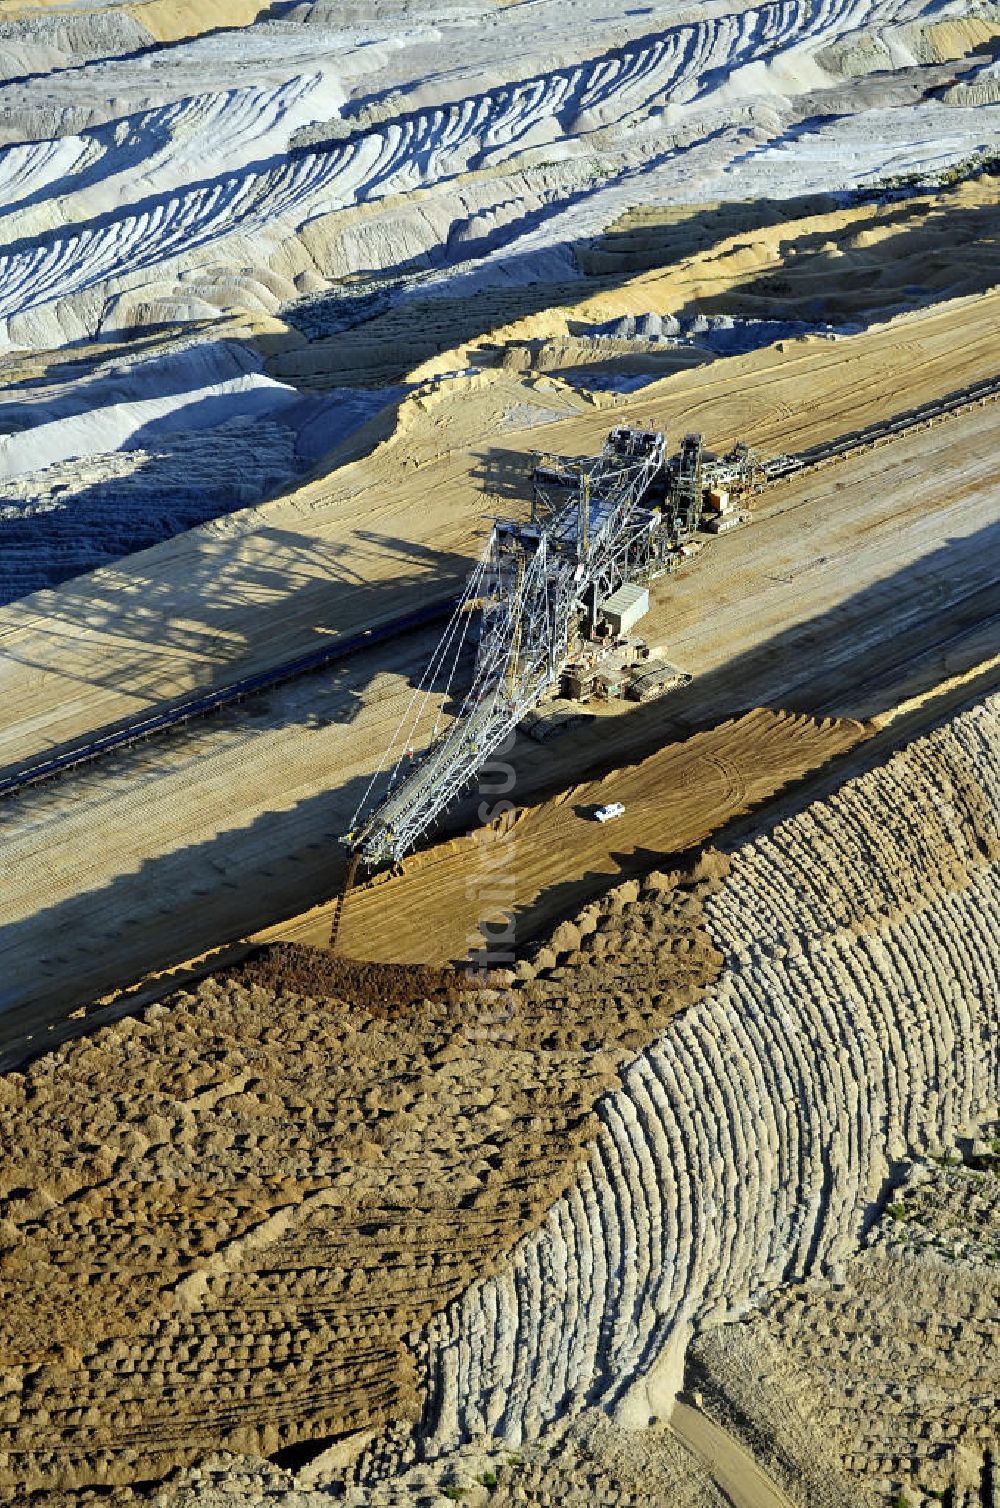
(374, 987)
(291, 303)
(276, 1187)
(851, 1033)
(886, 1375)
(377, 537)
(535, 863)
(659, 268)
(292, 1219)
(865, 570)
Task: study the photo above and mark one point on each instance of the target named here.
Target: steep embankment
(886, 1369)
(854, 1024)
(220, 1225)
(142, 196)
(264, 1169)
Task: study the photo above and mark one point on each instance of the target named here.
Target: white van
(613, 809)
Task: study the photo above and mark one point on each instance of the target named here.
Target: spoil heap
(221, 1223)
(853, 1025)
(292, 1220)
(889, 1372)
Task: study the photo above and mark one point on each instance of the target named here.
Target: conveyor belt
(885, 430)
(775, 470)
(131, 733)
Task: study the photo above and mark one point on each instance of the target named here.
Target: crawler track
(778, 469)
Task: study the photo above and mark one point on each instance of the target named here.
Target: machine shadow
(839, 275)
(788, 673)
(840, 278)
(366, 580)
(374, 339)
(230, 439)
(181, 891)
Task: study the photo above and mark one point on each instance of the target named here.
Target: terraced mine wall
(289, 1175)
(55, 284)
(882, 1375)
(219, 1224)
(853, 1026)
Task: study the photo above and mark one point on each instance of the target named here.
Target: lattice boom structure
(594, 525)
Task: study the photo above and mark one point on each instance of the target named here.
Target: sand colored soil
(374, 538)
(853, 585)
(850, 257)
(165, 20)
(274, 1188)
(317, 1198)
(852, 1029)
(807, 259)
(889, 1371)
(537, 862)
(595, 1462)
(731, 1465)
(809, 1147)
(389, 990)
(170, 20)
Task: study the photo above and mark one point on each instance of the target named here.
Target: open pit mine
(499, 753)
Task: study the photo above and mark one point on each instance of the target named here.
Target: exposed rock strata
(883, 1381)
(294, 1202)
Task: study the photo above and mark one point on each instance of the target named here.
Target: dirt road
(732, 1467)
(455, 897)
